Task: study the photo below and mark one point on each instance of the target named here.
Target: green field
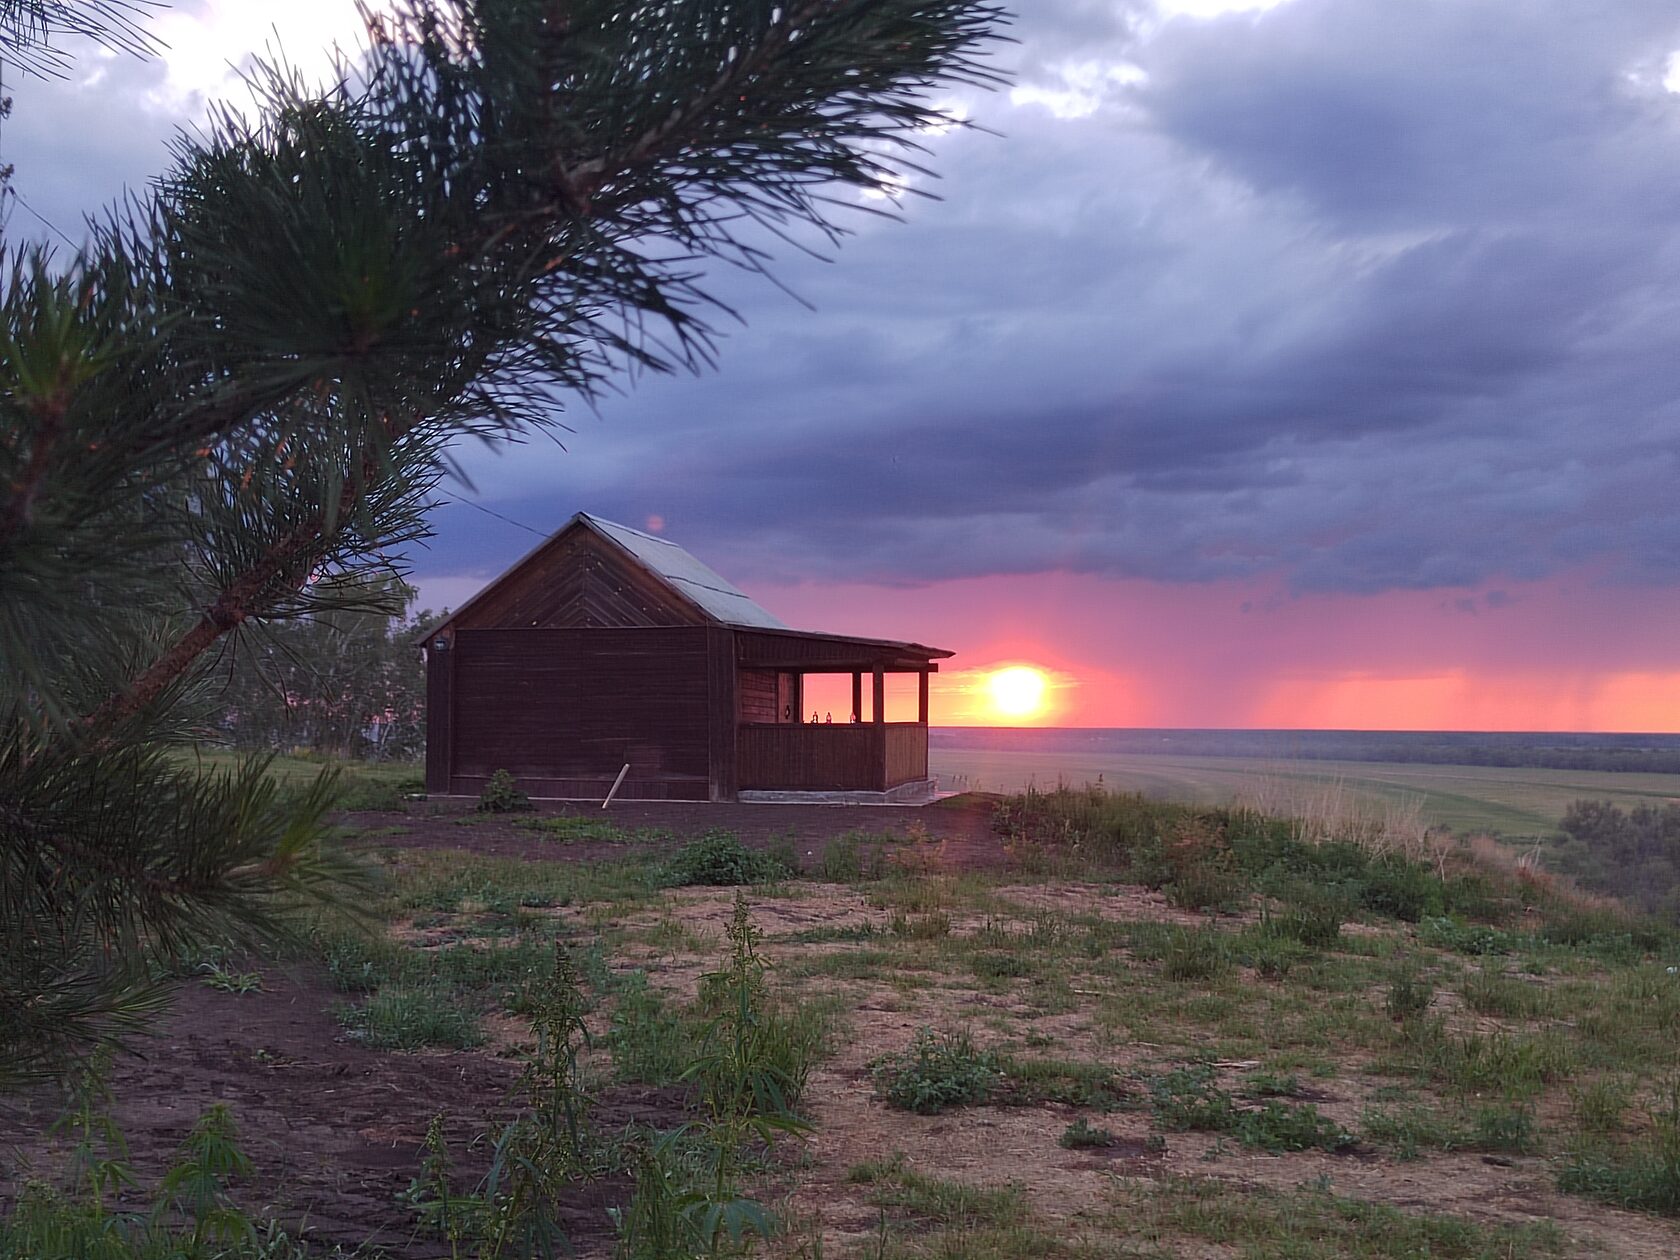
(1493, 799)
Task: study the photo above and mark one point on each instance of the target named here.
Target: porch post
(857, 696)
(922, 697)
(879, 769)
(799, 697)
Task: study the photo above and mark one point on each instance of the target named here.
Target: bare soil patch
(961, 826)
(334, 1129)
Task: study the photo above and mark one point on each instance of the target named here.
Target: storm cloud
(1353, 297)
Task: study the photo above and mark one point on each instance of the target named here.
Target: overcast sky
(1310, 363)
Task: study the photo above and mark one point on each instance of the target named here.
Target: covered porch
(779, 748)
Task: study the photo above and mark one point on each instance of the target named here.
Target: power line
(488, 512)
(7, 189)
(22, 201)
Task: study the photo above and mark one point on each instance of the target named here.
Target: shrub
(1082, 1136)
(852, 859)
(1401, 890)
(1187, 1100)
(719, 858)
(939, 1070)
(502, 795)
(1280, 1127)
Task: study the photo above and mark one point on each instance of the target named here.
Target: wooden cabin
(606, 647)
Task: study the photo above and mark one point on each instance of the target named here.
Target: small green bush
(1187, 1100)
(1280, 1127)
(939, 1070)
(1081, 1135)
(719, 858)
(502, 795)
(852, 859)
(1398, 889)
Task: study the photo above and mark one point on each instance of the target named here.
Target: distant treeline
(1632, 854)
(1651, 754)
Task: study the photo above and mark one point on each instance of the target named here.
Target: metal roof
(700, 583)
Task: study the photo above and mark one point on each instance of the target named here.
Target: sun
(1018, 691)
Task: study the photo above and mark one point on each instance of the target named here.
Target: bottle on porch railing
(828, 719)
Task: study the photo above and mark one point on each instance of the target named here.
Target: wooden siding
(756, 696)
(440, 737)
(862, 757)
(906, 753)
(594, 789)
(580, 581)
(570, 707)
(721, 684)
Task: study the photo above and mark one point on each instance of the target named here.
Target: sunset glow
(1017, 692)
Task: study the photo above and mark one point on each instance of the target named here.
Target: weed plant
(192, 1215)
(938, 1071)
(751, 1070)
(719, 858)
(1081, 1135)
(1189, 1100)
(502, 795)
(513, 1210)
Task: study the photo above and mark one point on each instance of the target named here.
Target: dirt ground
(336, 1129)
(962, 826)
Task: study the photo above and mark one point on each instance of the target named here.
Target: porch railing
(854, 757)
